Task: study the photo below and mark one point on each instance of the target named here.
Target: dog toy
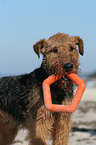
(76, 99)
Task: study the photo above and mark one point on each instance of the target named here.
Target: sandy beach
(84, 120)
(83, 123)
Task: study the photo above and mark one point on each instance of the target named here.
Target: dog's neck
(41, 74)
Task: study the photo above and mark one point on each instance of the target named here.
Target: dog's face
(60, 53)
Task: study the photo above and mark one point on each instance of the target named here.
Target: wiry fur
(21, 97)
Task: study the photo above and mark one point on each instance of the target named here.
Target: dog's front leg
(61, 129)
(40, 128)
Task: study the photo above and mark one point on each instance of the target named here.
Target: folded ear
(38, 47)
(78, 41)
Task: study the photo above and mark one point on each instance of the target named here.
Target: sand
(83, 123)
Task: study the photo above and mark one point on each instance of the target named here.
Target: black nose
(68, 66)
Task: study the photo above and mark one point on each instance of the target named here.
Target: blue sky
(24, 22)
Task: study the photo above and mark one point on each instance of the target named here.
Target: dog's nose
(68, 66)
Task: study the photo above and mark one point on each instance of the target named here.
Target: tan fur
(7, 134)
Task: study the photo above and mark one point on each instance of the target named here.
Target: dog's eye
(71, 48)
(55, 50)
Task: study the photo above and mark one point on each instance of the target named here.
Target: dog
(21, 97)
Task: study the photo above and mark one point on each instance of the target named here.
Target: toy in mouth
(76, 99)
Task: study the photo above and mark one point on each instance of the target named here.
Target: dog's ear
(78, 41)
(38, 47)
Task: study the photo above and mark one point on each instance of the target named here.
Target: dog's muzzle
(68, 67)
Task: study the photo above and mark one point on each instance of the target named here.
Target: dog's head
(60, 53)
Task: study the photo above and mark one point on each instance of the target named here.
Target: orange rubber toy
(76, 99)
